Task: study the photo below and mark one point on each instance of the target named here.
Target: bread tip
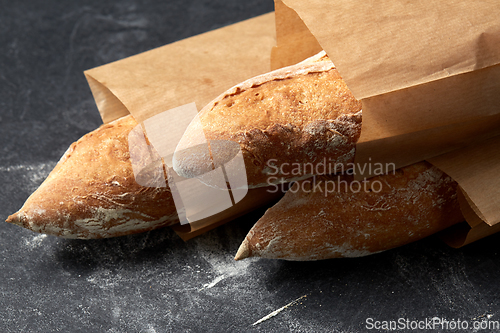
(15, 219)
(243, 251)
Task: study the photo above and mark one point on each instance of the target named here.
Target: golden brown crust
(306, 224)
(299, 114)
(92, 192)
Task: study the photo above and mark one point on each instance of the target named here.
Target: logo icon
(213, 175)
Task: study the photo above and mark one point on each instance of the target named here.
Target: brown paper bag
(196, 70)
(428, 76)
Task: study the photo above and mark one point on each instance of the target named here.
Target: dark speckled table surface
(155, 282)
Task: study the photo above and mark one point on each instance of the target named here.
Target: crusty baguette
(92, 192)
(299, 114)
(414, 202)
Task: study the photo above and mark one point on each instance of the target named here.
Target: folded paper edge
(462, 234)
(110, 107)
(291, 47)
(471, 212)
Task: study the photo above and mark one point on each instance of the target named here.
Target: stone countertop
(155, 282)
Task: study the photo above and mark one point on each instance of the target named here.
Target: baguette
(391, 210)
(299, 114)
(92, 192)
